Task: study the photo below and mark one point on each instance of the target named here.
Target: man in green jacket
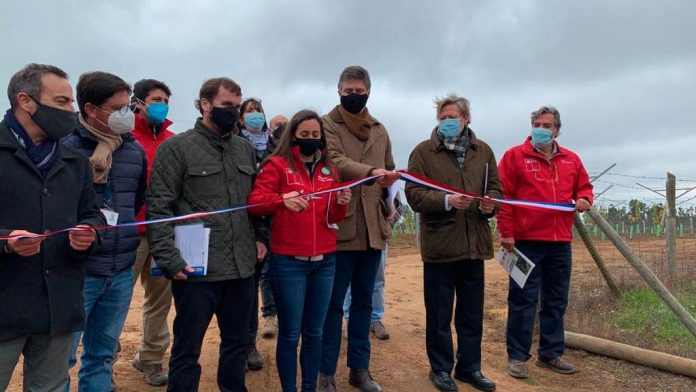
(455, 239)
(204, 169)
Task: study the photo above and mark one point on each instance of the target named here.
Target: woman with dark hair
(303, 241)
(253, 128)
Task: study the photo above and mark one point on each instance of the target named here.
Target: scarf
(457, 145)
(42, 155)
(358, 124)
(100, 160)
(257, 139)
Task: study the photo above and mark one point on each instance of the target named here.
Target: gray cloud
(622, 72)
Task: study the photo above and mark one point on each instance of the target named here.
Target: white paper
(518, 266)
(193, 243)
(393, 193)
(111, 216)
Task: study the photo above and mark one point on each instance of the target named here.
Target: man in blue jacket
(119, 168)
(44, 187)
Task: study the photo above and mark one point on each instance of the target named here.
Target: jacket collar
(7, 140)
(143, 128)
(529, 149)
(436, 143)
(336, 117)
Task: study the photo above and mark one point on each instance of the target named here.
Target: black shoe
(443, 382)
(254, 359)
(477, 380)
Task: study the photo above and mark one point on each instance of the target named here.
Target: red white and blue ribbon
(404, 175)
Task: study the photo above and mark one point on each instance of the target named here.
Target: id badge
(111, 217)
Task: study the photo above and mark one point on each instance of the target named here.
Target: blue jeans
(377, 293)
(551, 276)
(302, 290)
(357, 268)
(107, 300)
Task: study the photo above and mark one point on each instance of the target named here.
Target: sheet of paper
(517, 265)
(193, 243)
(393, 192)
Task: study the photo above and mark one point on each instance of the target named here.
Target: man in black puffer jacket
(119, 168)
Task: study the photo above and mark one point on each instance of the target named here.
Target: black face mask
(278, 132)
(224, 118)
(308, 147)
(56, 123)
(354, 103)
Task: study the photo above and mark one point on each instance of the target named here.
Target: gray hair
(28, 80)
(354, 72)
(451, 98)
(550, 110)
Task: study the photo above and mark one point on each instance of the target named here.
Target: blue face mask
(254, 120)
(157, 112)
(449, 127)
(541, 137)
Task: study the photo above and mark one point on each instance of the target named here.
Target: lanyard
(107, 190)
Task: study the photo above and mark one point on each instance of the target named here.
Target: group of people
(116, 162)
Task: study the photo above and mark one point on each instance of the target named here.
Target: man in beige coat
(359, 146)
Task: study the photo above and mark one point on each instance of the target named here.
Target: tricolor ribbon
(404, 175)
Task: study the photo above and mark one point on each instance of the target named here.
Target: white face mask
(121, 123)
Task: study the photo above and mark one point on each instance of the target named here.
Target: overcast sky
(622, 73)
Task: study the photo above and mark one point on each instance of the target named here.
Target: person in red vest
(151, 101)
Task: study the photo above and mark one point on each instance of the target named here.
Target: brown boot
(361, 379)
(326, 383)
(154, 375)
(380, 331)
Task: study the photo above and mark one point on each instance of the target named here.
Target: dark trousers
(357, 269)
(303, 290)
(196, 302)
(262, 283)
(441, 281)
(552, 276)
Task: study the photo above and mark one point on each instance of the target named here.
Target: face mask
(56, 123)
(449, 127)
(308, 147)
(121, 123)
(224, 118)
(157, 112)
(278, 132)
(541, 137)
(254, 120)
(354, 103)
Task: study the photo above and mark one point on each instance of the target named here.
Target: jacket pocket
(205, 182)
(439, 221)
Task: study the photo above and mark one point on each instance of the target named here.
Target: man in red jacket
(151, 100)
(541, 170)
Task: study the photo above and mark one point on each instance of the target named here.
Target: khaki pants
(158, 300)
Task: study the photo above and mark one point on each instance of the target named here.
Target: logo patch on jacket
(324, 178)
(292, 177)
(532, 165)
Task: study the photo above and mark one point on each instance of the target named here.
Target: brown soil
(400, 364)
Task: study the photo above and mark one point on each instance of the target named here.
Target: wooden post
(679, 311)
(671, 225)
(594, 252)
(654, 359)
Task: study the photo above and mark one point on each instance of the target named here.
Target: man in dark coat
(44, 187)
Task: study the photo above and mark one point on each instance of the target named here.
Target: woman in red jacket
(303, 241)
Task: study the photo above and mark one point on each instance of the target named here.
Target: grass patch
(644, 314)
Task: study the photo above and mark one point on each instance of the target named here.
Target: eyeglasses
(123, 110)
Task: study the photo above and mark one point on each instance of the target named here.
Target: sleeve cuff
(447, 206)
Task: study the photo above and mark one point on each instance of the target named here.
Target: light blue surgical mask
(254, 120)
(449, 127)
(157, 112)
(541, 137)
